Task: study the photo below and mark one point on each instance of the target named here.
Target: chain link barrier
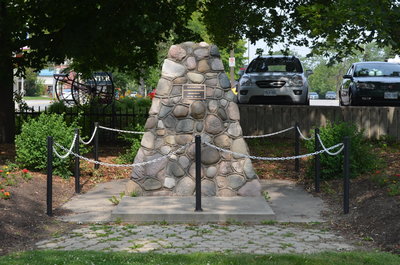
(65, 149)
(271, 158)
(91, 138)
(122, 165)
(326, 150)
(118, 130)
(270, 134)
(302, 135)
(69, 151)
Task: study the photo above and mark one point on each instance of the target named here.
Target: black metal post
(49, 199)
(317, 162)
(77, 164)
(346, 173)
(96, 145)
(198, 173)
(296, 147)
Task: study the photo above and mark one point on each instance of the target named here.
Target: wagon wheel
(104, 90)
(63, 87)
(75, 89)
(83, 89)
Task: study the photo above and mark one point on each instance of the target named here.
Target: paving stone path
(258, 239)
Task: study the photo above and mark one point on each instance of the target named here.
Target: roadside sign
(231, 61)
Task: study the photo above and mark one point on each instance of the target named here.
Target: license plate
(269, 93)
(391, 95)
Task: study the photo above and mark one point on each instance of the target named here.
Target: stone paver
(258, 239)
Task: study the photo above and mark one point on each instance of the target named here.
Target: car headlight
(365, 86)
(245, 81)
(296, 81)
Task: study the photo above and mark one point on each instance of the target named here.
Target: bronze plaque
(194, 91)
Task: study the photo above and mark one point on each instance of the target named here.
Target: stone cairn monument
(193, 97)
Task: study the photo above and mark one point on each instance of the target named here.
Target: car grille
(388, 86)
(270, 83)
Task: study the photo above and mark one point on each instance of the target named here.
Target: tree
(197, 25)
(329, 25)
(32, 85)
(345, 26)
(95, 34)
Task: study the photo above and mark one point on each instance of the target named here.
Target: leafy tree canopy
(339, 25)
(97, 34)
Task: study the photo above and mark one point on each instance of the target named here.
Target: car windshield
(275, 64)
(377, 69)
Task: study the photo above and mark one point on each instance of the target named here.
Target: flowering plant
(391, 182)
(10, 176)
(152, 94)
(5, 194)
(25, 174)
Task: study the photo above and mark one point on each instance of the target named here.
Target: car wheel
(352, 100)
(341, 101)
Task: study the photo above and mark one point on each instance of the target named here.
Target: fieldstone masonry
(174, 120)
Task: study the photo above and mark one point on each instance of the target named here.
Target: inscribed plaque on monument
(194, 91)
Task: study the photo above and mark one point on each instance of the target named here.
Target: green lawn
(110, 258)
(37, 98)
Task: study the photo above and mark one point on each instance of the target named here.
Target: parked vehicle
(274, 79)
(330, 95)
(371, 83)
(241, 71)
(313, 95)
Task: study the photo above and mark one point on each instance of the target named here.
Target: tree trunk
(7, 111)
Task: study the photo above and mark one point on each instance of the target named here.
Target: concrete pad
(94, 206)
(181, 210)
(291, 203)
(288, 201)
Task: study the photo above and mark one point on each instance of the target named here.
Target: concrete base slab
(181, 210)
(291, 203)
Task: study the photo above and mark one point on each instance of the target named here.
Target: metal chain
(118, 130)
(65, 149)
(302, 135)
(271, 158)
(270, 134)
(91, 138)
(326, 150)
(124, 165)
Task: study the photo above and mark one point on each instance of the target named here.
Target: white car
(313, 95)
(330, 95)
(274, 79)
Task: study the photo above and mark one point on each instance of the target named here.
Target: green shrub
(31, 144)
(134, 140)
(362, 159)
